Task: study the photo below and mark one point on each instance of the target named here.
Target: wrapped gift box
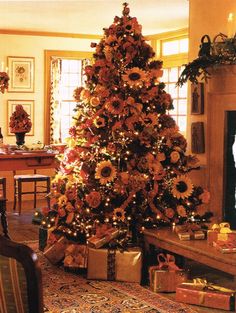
(165, 280)
(56, 252)
(76, 256)
(220, 232)
(199, 234)
(189, 231)
(109, 264)
(225, 246)
(165, 276)
(213, 296)
(44, 234)
(101, 238)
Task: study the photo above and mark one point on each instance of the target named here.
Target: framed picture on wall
(28, 106)
(197, 98)
(21, 73)
(197, 137)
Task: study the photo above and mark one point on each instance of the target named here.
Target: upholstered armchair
(20, 279)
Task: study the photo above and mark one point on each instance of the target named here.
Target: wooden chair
(19, 180)
(20, 278)
(3, 200)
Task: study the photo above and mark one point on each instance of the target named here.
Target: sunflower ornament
(182, 187)
(105, 172)
(134, 77)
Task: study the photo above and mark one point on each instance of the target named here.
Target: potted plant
(20, 124)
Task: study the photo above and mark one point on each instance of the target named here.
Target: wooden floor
(21, 229)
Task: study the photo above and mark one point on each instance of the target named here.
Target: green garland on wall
(221, 51)
(198, 69)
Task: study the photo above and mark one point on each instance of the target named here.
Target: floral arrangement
(20, 121)
(4, 78)
(125, 163)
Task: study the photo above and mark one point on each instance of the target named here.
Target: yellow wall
(206, 17)
(33, 46)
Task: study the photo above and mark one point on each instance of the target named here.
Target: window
(63, 74)
(71, 77)
(170, 47)
(179, 96)
(173, 52)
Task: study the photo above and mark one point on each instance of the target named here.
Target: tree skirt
(72, 293)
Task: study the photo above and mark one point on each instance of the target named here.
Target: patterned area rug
(71, 293)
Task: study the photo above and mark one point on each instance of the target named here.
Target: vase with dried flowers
(20, 124)
(4, 78)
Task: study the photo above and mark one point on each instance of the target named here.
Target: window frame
(48, 54)
(174, 60)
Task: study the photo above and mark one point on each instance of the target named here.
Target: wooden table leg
(3, 217)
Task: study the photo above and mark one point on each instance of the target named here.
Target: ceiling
(91, 16)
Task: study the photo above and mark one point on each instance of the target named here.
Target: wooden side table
(197, 250)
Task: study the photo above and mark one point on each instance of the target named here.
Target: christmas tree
(125, 163)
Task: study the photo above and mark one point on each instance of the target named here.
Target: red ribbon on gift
(166, 262)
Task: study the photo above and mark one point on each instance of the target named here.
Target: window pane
(173, 90)
(65, 66)
(173, 74)
(170, 47)
(182, 123)
(165, 75)
(65, 110)
(175, 104)
(182, 105)
(183, 45)
(183, 91)
(72, 108)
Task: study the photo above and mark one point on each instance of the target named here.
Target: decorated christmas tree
(125, 163)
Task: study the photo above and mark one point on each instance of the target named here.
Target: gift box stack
(75, 257)
(222, 238)
(189, 231)
(101, 260)
(202, 293)
(166, 276)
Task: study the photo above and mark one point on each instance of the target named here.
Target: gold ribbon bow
(223, 228)
(204, 285)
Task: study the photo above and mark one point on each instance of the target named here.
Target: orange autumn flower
(169, 212)
(174, 157)
(115, 105)
(181, 210)
(93, 199)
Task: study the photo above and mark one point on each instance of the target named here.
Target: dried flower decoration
(20, 121)
(4, 78)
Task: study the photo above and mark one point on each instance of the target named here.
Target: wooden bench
(197, 250)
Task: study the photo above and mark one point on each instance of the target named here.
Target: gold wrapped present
(76, 256)
(189, 231)
(202, 293)
(165, 276)
(220, 232)
(56, 252)
(104, 234)
(117, 265)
